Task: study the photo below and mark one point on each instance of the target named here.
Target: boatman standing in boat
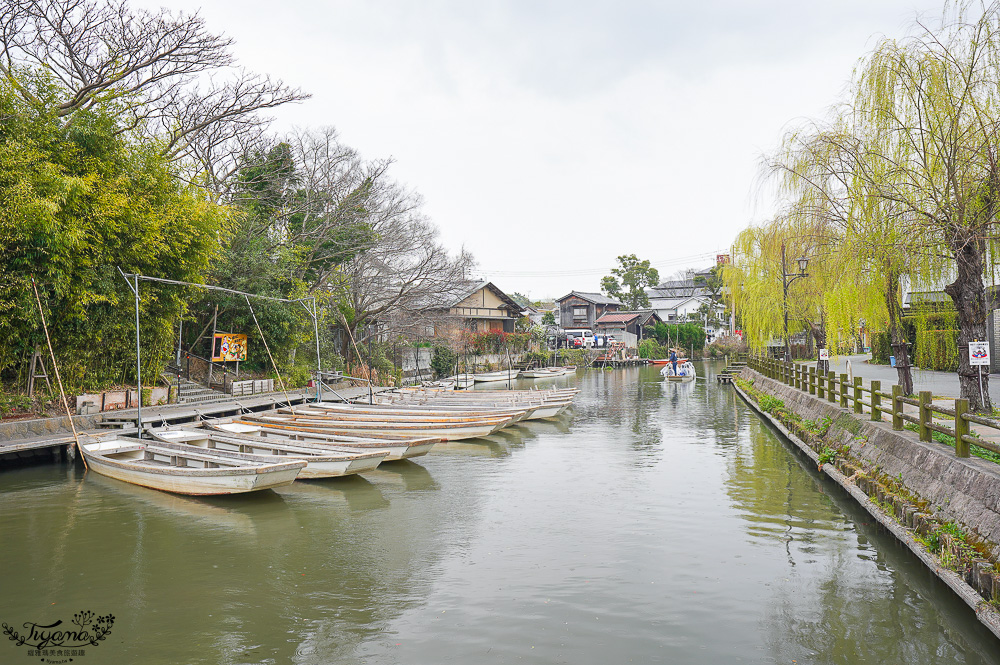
(673, 360)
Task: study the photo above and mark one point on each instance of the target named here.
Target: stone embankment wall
(945, 508)
(37, 427)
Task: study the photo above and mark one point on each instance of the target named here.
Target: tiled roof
(596, 298)
(618, 317)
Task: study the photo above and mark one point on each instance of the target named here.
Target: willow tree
(835, 172)
(933, 99)
(755, 279)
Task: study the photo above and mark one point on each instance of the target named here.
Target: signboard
(824, 354)
(228, 347)
(979, 353)
(721, 259)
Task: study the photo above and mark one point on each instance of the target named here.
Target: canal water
(656, 523)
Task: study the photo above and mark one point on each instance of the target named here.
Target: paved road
(943, 384)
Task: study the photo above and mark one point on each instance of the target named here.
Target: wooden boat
(685, 372)
(443, 383)
(321, 461)
(461, 381)
(185, 469)
(389, 409)
(443, 430)
(664, 361)
(545, 404)
(541, 372)
(474, 396)
(396, 416)
(399, 447)
(492, 377)
(537, 410)
(548, 392)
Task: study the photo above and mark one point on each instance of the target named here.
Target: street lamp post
(787, 279)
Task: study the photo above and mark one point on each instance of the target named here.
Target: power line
(666, 263)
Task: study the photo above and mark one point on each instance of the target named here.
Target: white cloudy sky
(548, 137)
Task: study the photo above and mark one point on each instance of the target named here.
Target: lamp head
(803, 263)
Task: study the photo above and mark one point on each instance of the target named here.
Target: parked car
(580, 338)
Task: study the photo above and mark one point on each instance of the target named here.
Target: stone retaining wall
(964, 490)
(27, 429)
(912, 487)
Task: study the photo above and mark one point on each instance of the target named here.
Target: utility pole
(787, 279)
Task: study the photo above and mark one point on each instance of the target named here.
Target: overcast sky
(550, 137)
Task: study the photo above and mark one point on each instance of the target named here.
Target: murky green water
(657, 524)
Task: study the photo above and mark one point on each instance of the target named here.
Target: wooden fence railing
(856, 396)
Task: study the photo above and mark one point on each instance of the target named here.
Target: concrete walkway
(941, 384)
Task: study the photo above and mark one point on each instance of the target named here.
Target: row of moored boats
(318, 440)
(460, 381)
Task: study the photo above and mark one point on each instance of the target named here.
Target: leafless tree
(168, 75)
(405, 270)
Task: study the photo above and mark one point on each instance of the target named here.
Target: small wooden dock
(734, 367)
(59, 445)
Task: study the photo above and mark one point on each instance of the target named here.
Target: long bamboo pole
(276, 372)
(55, 366)
(371, 396)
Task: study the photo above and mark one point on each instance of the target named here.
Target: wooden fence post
(831, 390)
(961, 427)
(876, 388)
(820, 388)
(925, 415)
(858, 406)
(897, 407)
(843, 390)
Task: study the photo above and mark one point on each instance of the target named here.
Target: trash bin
(892, 361)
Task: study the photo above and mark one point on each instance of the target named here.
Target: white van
(585, 337)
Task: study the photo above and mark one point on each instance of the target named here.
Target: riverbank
(944, 508)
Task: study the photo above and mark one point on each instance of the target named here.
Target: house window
(580, 312)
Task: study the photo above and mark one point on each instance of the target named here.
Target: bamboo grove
(897, 187)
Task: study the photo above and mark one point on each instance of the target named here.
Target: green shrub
(649, 348)
(770, 404)
(536, 357)
(443, 361)
(726, 346)
(881, 349)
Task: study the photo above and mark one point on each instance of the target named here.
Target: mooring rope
(276, 372)
(48, 340)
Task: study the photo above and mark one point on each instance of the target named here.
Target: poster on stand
(979, 353)
(229, 347)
